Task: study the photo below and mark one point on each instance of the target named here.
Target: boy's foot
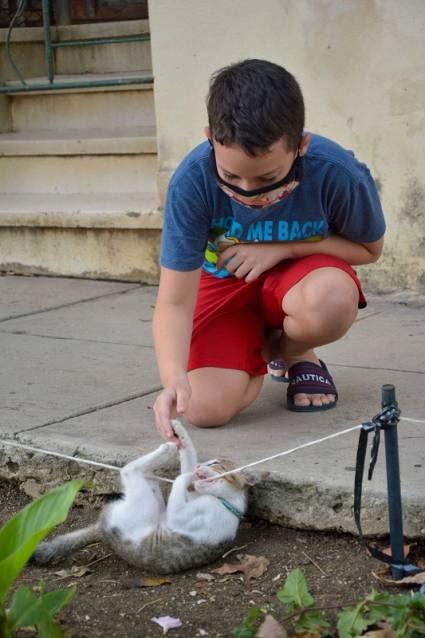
(311, 387)
(278, 369)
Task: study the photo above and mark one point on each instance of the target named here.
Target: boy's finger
(168, 433)
(182, 398)
(182, 402)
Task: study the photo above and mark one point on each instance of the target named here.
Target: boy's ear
(207, 132)
(305, 143)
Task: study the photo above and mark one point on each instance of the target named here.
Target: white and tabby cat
(200, 519)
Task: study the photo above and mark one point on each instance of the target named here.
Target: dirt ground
(108, 603)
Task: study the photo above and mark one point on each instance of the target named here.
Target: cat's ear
(252, 478)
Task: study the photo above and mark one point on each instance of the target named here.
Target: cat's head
(206, 481)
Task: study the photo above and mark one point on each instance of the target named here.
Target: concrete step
(137, 140)
(82, 174)
(27, 49)
(84, 108)
(96, 210)
(98, 236)
(99, 253)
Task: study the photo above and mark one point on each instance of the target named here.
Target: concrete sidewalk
(78, 375)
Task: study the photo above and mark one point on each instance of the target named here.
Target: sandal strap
(309, 378)
(277, 364)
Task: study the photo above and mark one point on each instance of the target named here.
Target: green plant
(306, 617)
(18, 539)
(249, 627)
(401, 616)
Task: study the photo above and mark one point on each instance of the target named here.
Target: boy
(262, 224)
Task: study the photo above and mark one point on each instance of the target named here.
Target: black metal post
(393, 484)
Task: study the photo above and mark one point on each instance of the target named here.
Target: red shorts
(231, 315)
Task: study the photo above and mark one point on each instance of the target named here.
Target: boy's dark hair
(253, 103)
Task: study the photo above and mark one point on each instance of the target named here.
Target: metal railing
(49, 48)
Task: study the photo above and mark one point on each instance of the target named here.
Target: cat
(200, 520)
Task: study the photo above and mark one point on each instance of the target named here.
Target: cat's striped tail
(66, 544)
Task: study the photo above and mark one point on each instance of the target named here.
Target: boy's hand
(248, 261)
(173, 400)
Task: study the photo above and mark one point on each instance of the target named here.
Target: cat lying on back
(200, 519)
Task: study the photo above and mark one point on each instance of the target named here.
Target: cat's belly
(161, 551)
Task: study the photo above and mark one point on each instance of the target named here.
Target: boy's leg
(225, 365)
(318, 309)
(218, 394)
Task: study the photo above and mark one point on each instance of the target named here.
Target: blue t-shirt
(336, 196)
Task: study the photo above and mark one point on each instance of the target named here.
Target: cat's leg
(151, 461)
(141, 493)
(188, 455)
(178, 496)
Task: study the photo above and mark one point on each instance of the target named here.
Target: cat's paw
(180, 432)
(167, 451)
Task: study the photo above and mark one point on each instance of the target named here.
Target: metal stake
(393, 484)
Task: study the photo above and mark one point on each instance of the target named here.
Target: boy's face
(238, 168)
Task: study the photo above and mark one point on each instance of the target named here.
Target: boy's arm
(172, 328)
(248, 261)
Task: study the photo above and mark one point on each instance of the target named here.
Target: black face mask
(296, 173)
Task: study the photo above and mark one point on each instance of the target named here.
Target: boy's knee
(202, 416)
(336, 289)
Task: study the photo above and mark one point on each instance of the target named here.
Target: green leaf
(310, 622)
(244, 632)
(53, 601)
(248, 629)
(47, 628)
(28, 609)
(294, 593)
(24, 610)
(351, 622)
(21, 534)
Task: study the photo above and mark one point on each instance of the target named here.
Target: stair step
(82, 174)
(94, 253)
(87, 78)
(137, 140)
(96, 210)
(84, 109)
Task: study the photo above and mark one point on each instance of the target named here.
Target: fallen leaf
(75, 571)
(379, 633)
(228, 568)
(416, 579)
(250, 566)
(135, 583)
(270, 628)
(167, 622)
(406, 550)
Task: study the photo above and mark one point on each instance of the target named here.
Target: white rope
(300, 447)
(294, 449)
(78, 459)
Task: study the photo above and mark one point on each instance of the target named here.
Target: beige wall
(360, 64)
